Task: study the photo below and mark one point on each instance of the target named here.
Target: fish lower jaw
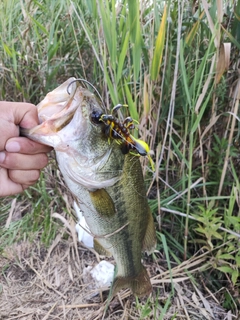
(85, 175)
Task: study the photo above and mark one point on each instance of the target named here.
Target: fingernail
(2, 156)
(12, 146)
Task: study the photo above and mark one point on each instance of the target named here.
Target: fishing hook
(90, 84)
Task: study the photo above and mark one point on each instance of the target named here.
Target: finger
(20, 113)
(7, 186)
(26, 146)
(19, 161)
(24, 177)
(13, 115)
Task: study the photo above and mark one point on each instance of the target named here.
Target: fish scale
(108, 184)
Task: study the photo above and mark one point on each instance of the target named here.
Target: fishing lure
(117, 130)
(120, 131)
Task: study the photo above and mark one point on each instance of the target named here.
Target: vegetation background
(176, 64)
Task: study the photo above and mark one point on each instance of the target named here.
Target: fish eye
(95, 117)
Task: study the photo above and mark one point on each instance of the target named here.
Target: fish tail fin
(140, 284)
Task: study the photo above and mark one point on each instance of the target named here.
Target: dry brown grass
(40, 283)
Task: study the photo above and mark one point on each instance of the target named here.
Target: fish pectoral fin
(100, 249)
(102, 202)
(140, 285)
(150, 241)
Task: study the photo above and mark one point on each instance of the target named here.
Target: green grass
(32, 213)
(166, 62)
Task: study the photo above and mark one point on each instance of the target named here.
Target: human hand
(20, 158)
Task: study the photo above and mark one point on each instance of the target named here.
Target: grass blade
(184, 75)
(122, 57)
(231, 38)
(135, 34)
(159, 46)
(109, 28)
(194, 30)
(131, 104)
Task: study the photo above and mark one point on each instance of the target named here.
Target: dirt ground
(39, 283)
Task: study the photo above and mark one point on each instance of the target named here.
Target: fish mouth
(57, 109)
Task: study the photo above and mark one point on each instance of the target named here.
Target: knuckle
(43, 160)
(8, 161)
(14, 161)
(15, 175)
(24, 177)
(35, 174)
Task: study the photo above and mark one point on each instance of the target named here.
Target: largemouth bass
(107, 183)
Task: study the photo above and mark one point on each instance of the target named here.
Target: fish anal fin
(100, 249)
(140, 285)
(102, 202)
(150, 240)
